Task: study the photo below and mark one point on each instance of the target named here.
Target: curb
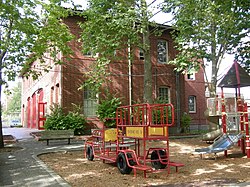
(184, 136)
(54, 175)
(13, 140)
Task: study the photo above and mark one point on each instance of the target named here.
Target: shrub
(167, 113)
(185, 122)
(107, 109)
(57, 120)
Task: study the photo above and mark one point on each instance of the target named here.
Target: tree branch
(151, 3)
(3, 53)
(155, 14)
(220, 54)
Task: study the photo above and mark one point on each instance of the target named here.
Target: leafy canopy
(14, 101)
(30, 30)
(107, 29)
(208, 30)
(114, 26)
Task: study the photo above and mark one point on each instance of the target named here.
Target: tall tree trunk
(1, 82)
(147, 95)
(212, 88)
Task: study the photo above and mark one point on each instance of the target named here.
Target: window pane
(88, 53)
(192, 104)
(90, 102)
(162, 52)
(191, 76)
(164, 94)
(141, 54)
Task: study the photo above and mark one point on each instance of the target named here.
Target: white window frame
(89, 103)
(192, 104)
(162, 52)
(191, 76)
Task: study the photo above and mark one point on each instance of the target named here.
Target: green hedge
(58, 120)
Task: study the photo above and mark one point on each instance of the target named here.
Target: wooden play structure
(128, 145)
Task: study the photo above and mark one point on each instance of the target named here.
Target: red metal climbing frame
(130, 143)
(242, 110)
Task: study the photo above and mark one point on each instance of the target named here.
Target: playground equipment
(211, 136)
(234, 117)
(128, 145)
(233, 112)
(222, 143)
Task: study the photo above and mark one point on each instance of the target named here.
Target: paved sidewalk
(23, 168)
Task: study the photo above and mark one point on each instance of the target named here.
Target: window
(141, 54)
(164, 94)
(90, 101)
(57, 93)
(191, 76)
(162, 50)
(88, 53)
(52, 95)
(192, 104)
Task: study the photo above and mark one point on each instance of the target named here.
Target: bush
(57, 120)
(107, 109)
(185, 122)
(167, 113)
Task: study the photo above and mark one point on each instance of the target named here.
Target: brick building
(60, 85)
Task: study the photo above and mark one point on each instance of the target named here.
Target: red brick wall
(72, 72)
(163, 75)
(197, 88)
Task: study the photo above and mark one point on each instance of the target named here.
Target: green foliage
(57, 120)
(185, 122)
(104, 39)
(28, 35)
(14, 103)
(208, 30)
(107, 109)
(30, 30)
(243, 55)
(165, 113)
(124, 24)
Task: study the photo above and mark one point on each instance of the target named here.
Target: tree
(14, 103)
(208, 29)
(243, 54)
(123, 24)
(30, 30)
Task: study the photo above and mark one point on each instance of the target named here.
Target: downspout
(178, 98)
(129, 74)
(155, 83)
(61, 83)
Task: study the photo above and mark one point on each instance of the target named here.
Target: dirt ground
(208, 171)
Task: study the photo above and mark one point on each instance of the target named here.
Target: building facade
(61, 84)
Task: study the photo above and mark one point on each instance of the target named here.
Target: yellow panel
(110, 134)
(157, 131)
(136, 132)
